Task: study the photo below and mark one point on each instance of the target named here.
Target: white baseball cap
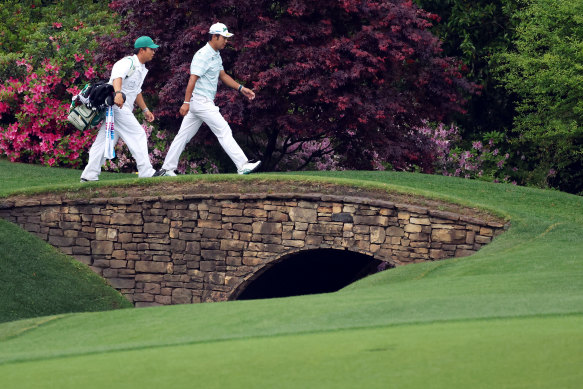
(221, 29)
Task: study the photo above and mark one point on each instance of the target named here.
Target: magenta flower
(90, 72)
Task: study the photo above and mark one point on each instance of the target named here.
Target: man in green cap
(127, 77)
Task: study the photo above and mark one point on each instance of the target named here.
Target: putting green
(536, 352)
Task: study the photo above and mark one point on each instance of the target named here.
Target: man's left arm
(228, 81)
(142, 104)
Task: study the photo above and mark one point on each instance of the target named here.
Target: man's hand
(248, 93)
(184, 109)
(149, 116)
(118, 100)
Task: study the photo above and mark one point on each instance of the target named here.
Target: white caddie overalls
(206, 64)
(126, 125)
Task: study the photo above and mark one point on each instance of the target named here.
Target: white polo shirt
(206, 64)
(131, 86)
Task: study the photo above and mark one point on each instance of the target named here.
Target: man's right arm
(118, 99)
(189, 89)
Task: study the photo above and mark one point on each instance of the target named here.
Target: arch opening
(311, 272)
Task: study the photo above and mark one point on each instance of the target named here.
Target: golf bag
(94, 100)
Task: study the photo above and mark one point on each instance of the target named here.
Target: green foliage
(57, 30)
(545, 71)
(475, 31)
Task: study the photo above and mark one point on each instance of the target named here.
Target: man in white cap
(206, 69)
(127, 77)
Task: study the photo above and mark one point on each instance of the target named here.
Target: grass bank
(509, 316)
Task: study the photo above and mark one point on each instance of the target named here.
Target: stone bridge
(211, 247)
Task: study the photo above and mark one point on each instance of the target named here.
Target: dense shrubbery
(475, 31)
(340, 84)
(544, 70)
(46, 54)
(353, 77)
(38, 131)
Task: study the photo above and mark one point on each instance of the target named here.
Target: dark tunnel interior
(310, 272)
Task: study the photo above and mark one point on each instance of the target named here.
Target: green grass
(37, 280)
(510, 316)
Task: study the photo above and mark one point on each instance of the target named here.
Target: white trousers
(204, 110)
(127, 127)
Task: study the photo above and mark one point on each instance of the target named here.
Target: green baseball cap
(145, 41)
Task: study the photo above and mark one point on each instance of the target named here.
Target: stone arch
(346, 273)
(177, 249)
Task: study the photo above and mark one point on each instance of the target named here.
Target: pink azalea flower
(89, 73)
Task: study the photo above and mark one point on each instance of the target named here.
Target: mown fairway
(510, 316)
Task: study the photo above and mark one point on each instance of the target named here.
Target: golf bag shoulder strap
(132, 67)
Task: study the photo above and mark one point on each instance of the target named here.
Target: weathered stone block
(232, 245)
(372, 220)
(422, 221)
(122, 283)
(486, 231)
(343, 217)
(294, 243)
(143, 297)
(325, 229)
(212, 254)
(127, 219)
(303, 215)
(177, 245)
(206, 266)
(255, 213)
(156, 228)
(276, 216)
(482, 239)
(214, 224)
(101, 247)
(395, 231)
(267, 228)
(412, 228)
(150, 267)
(61, 241)
(449, 236)
(232, 212)
(252, 261)
(377, 235)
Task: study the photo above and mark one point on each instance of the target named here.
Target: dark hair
(213, 35)
(137, 51)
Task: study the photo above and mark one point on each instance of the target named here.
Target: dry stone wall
(200, 248)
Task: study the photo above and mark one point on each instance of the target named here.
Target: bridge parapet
(200, 248)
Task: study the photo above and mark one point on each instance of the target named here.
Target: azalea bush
(46, 57)
(486, 159)
(38, 130)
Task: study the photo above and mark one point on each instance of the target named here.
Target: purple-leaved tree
(356, 76)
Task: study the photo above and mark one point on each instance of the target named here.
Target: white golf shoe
(249, 167)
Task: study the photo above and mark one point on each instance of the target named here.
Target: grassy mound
(37, 280)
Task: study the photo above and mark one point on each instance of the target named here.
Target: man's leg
(96, 158)
(188, 129)
(134, 136)
(206, 110)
